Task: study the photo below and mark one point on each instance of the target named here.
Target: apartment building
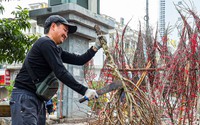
(170, 18)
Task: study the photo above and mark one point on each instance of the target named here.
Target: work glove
(98, 44)
(90, 94)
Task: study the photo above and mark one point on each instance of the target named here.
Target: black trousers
(26, 108)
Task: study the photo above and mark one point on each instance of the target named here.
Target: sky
(135, 9)
(127, 9)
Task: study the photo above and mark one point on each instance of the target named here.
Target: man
(44, 57)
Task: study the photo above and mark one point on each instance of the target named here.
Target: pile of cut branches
(164, 88)
(128, 105)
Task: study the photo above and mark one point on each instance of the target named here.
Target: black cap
(56, 18)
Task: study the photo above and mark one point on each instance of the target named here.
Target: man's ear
(53, 26)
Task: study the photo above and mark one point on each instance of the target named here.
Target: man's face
(60, 33)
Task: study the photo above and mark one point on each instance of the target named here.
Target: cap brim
(72, 28)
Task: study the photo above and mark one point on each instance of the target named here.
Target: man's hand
(97, 44)
(90, 94)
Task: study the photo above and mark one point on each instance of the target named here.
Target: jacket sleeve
(75, 59)
(52, 55)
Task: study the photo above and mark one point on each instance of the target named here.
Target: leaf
(14, 44)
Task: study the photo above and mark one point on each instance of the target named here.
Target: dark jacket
(44, 57)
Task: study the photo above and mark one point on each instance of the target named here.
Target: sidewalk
(52, 120)
(7, 121)
(60, 122)
(72, 124)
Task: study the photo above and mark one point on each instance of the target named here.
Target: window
(83, 3)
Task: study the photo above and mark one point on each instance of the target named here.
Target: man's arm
(51, 53)
(76, 59)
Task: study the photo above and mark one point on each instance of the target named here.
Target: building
(92, 5)
(129, 44)
(170, 18)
